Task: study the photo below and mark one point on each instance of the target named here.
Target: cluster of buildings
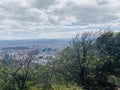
(41, 55)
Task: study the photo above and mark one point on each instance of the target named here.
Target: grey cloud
(102, 2)
(14, 7)
(42, 4)
(83, 13)
(41, 16)
(19, 12)
(25, 18)
(87, 14)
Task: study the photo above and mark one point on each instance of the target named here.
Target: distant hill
(35, 43)
(14, 48)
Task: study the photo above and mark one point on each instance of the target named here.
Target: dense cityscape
(44, 53)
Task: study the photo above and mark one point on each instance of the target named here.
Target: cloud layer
(34, 19)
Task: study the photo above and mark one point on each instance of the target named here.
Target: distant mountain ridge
(35, 43)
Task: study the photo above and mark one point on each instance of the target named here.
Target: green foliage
(113, 79)
(63, 87)
(5, 78)
(59, 87)
(89, 61)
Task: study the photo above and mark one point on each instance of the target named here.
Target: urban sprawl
(42, 56)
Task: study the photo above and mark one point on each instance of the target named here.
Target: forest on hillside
(91, 61)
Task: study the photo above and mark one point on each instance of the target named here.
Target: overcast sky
(38, 19)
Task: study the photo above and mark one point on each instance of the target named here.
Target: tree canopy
(91, 61)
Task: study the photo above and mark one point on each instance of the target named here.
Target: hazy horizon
(36, 39)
